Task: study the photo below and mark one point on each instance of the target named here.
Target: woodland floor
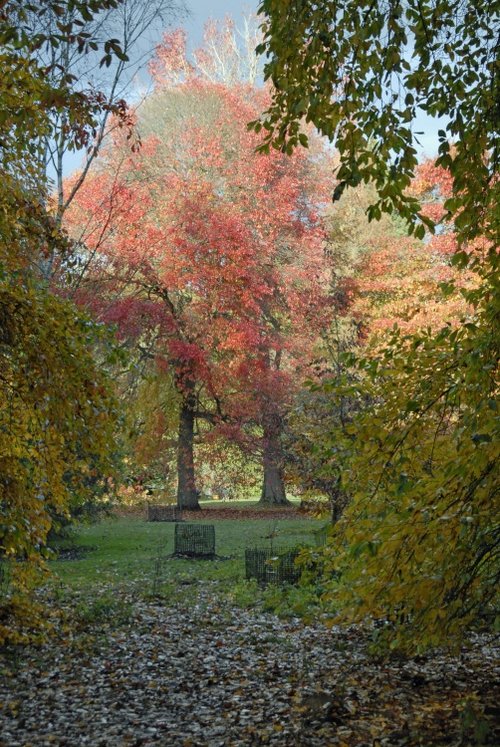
(195, 670)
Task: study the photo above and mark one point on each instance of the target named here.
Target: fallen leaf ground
(196, 670)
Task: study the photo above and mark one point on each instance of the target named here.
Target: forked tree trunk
(187, 494)
(273, 486)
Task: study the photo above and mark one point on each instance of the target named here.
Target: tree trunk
(187, 494)
(273, 487)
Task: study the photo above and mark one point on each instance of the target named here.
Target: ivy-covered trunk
(273, 486)
(187, 494)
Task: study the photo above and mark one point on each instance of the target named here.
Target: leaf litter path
(206, 675)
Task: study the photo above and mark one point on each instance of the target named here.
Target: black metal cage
(195, 540)
(272, 566)
(164, 513)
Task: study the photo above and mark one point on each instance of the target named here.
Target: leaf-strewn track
(208, 675)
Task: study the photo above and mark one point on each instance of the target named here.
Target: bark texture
(273, 487)
(187, 494)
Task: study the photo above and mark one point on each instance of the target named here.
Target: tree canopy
(199, 257)
(362, 71)
(418, 546)
(209, 258)
(57, 411)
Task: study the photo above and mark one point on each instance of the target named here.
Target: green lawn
(130, 553)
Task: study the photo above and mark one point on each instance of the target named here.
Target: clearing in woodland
(151, 650)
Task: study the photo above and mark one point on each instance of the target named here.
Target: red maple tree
(214, 254)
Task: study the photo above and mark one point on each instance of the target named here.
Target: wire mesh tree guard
(321, 535)
(4, 577)
(194, 541)
(164, 513)
(272, 566)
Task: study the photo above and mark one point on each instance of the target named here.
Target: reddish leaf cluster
(211, 250)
